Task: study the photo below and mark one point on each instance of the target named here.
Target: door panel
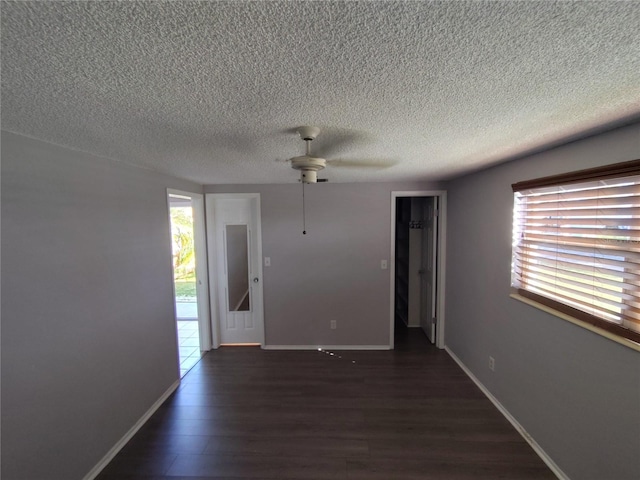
(428, 269)
(233, 223)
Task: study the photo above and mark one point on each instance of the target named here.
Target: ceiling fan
(309, 165)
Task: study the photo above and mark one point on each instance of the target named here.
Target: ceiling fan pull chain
(304, 224)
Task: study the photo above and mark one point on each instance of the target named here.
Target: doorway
(235, 243)
(417, 267)
(186, 215)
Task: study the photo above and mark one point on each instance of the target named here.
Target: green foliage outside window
(183, 249)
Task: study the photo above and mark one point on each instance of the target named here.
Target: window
(576, 245)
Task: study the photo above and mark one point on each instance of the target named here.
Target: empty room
(288, 240)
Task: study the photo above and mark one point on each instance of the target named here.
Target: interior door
(234, 226)
(428, 268)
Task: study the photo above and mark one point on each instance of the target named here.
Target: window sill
(623, 341)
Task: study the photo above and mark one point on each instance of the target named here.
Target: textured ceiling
(210, 91)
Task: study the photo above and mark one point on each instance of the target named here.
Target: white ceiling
(210, 91)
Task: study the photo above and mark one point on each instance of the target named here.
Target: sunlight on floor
(189, 345)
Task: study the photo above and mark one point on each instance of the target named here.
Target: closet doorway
(417, 273)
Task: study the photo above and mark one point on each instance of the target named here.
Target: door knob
(255, 280)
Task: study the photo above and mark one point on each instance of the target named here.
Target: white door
(234, 235)
(428, 268)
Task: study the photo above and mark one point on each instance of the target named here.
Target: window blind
(576, 247)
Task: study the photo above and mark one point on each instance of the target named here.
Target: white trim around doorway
(441, 253)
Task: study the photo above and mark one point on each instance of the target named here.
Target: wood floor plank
(313, 446)
(405, 469)
(153, 444)
(247, 413)
(250, 466)
(138, 465)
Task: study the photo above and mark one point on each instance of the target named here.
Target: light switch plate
(383, 264)
(267, 261)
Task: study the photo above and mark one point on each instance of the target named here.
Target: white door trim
(441, 249)
(210, 199)
(202, 269)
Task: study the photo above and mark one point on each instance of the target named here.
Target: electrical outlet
(334, 324)
(492, 364)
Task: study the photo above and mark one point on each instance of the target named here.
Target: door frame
(202, 265)
(441, 263)
(210, 199)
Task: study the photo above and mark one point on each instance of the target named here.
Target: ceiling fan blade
(371, 163)
(333, 141)
(289, 131)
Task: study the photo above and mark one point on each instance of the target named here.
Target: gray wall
(333, 272)
(575, 392)
(88, 332)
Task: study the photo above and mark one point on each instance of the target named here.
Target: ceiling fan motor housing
(309, 167)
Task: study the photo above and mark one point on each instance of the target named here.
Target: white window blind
(577, 245)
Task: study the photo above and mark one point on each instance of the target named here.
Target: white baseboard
(132, 431)
(326, 347)
(528, 438)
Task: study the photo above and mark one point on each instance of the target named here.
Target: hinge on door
(434, 320)
(435, 212)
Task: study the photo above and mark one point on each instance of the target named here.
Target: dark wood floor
(405, 414)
